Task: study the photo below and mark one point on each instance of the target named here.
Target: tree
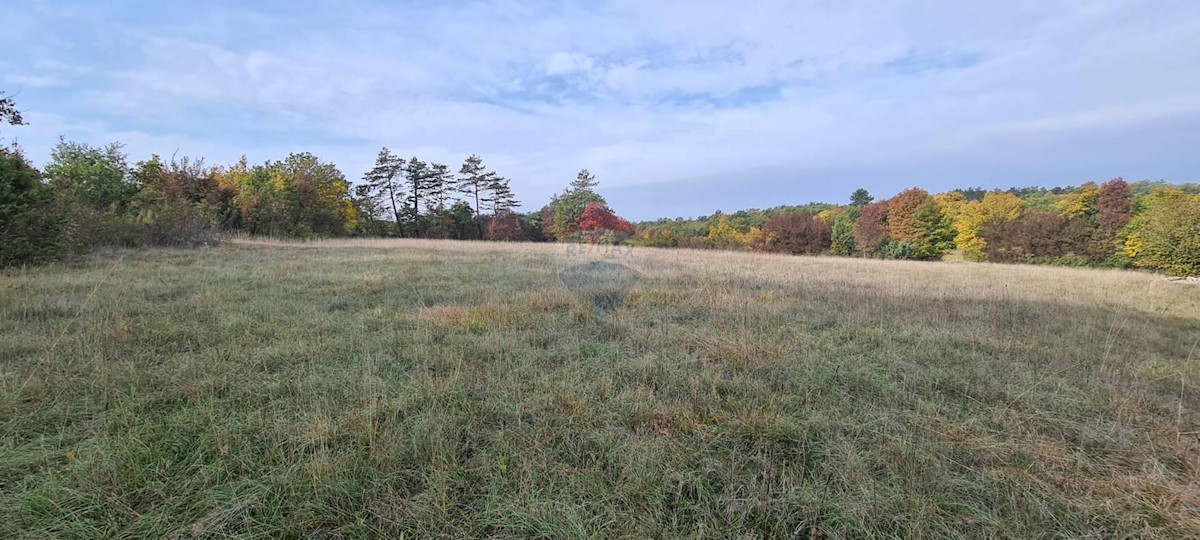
(316, 196)
(1168, 237)
(505, 227)
(798, 233)
(474, 180)
(567, 207)
(460, 221)
(870, 229)
(722, 234)
(933, 231)
(971, 217)
(860, 198)
(9, 112)
(1080, 203)
(500, 195)
(383, 183)
(1035, 236)
(902, 214)
(97, 177)
(584, 181)
(30, 228)
(1113, 204)
(597, 219)
(841, 240)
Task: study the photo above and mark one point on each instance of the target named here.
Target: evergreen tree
(500, 195)
(584, 181)
(475, 180)
(438, 187)
(383, 183)
(416, 175)
(860, 198)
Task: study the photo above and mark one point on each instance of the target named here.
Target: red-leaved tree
(1113, 207)
(796, 233)
(870, 230)
(597, 218)
(505, 226)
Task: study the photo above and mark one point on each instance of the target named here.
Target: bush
(892, 249)
(30, 226)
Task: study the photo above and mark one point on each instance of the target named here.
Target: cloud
(565, 63)
(742, 97)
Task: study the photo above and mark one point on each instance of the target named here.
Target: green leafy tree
(1167, 238)
(567, 208)
(933, 231)
(97, 177)
(842, 233)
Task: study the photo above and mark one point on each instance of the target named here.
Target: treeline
(1115, 224)
(87, 197)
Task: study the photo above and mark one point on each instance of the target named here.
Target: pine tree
(416, 174)
(500, 195)
(860, 198)
(584, 181)
(383, 182)
(475, 180)
(438, 185)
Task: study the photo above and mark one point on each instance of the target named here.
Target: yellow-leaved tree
(723, 235)
(1080, 203)
(971, 217)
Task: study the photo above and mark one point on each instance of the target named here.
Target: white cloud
(565, 63)
(638, 93)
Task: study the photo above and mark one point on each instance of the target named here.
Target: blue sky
(679, 108)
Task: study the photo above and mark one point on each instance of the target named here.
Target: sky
(678, 108)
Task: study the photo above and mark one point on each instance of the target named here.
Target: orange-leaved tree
(597, 219)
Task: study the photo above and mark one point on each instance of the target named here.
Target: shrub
(892, 249)
(30, 226)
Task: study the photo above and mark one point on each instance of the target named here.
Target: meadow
(442, 389)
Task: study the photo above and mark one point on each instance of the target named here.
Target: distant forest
(87, 197)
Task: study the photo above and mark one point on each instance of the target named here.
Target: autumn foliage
(598, 218)
(505, 226)
(798, 233)
(871, 228)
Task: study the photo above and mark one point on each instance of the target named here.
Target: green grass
(440, 389)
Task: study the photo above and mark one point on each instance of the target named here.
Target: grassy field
(416, 389)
